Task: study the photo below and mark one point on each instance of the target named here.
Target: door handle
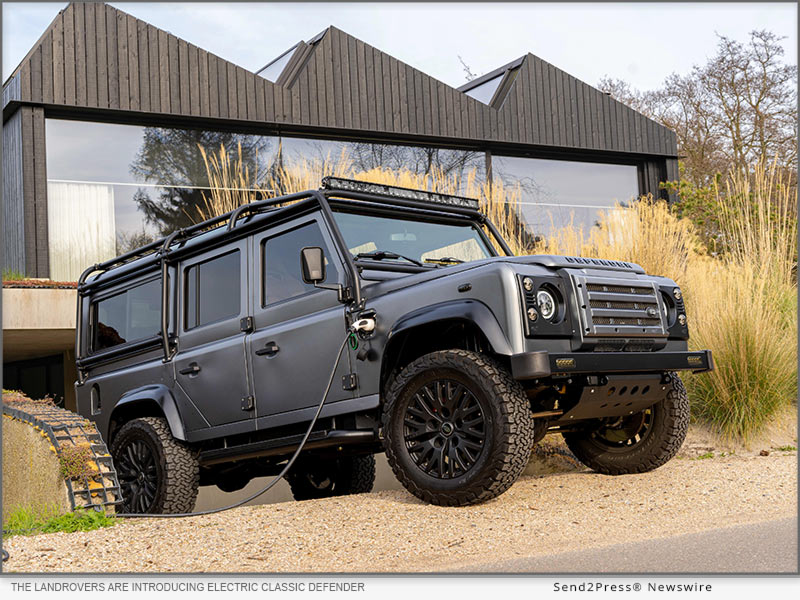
(192, 369)
(271, 349)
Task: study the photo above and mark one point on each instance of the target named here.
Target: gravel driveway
(393, 531)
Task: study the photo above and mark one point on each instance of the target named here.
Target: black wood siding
(13, 205)
(95, 56)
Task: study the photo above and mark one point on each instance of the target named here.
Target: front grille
(625, 321)
(625, 305)
(618, 289)
(613, 308)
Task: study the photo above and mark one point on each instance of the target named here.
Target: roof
(94, 56)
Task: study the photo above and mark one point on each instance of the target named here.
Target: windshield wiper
(382, 254)
(445, 259)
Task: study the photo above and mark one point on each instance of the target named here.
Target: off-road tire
(343, 476)
(662, 441)
(509, 427)
(177, 466)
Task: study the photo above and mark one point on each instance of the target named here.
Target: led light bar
(351, 185)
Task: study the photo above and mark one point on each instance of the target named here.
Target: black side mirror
(312, 261)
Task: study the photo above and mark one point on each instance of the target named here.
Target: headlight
(547, 304)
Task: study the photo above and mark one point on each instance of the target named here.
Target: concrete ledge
(37, 322)
(39, 308)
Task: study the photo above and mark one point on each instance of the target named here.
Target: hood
(552, 261)
(400, 279)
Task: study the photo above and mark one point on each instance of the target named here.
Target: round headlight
(547, 304)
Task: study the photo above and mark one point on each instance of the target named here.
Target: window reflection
(557, 193)
(113, 188)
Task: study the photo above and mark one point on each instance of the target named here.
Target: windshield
(426, 242)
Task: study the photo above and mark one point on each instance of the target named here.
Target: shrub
(74, 461)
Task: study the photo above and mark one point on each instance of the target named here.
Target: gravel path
(393, 531)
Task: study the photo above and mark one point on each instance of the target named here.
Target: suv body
(202, 357)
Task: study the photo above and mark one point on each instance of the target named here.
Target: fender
(466, 310)
(160, 395)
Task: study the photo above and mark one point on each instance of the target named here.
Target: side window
(212, 290)
(282, 277)
(129, 316)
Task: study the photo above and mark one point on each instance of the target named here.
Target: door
(298, 327)
(210, 365)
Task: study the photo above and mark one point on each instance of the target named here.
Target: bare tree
(737, 109)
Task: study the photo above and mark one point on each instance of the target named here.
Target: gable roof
(96, 56)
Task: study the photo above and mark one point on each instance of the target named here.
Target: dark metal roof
(94, 56)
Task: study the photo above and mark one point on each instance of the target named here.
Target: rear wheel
(635, 443)
(312, 477)
(457, 428)
(157, 473)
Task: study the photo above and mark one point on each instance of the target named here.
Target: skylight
(273, 70)
(485, 91)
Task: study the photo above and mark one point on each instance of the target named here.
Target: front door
(298, 327)
(210, 365)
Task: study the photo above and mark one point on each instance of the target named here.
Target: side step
(287, 445)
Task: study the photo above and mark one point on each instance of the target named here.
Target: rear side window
(132, 315)
(212, 290)
(283, 277)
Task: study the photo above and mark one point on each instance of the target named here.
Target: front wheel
(635, 443)
(457, 428)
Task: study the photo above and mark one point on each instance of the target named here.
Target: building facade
(106, 120)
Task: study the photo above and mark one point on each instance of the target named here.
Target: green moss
(74, 462)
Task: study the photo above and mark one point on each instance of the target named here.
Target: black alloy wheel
(157, 473)
(458, 429)
(138, 476)
(444, 429)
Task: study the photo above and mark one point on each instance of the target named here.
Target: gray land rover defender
(203, 357)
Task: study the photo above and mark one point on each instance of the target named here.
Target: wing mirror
(313, 263)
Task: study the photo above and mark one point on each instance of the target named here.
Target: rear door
(298, 327)
(210, 366)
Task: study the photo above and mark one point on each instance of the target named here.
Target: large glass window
(418, 240)
(112, 188)
(282, 276)
(132, 315)
(556, 193)
(213, 290)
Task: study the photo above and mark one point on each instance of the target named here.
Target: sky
(641, 43)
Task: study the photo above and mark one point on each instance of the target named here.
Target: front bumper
(535, 365)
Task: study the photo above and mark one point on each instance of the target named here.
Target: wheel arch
(147, 401)
(464, 324)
